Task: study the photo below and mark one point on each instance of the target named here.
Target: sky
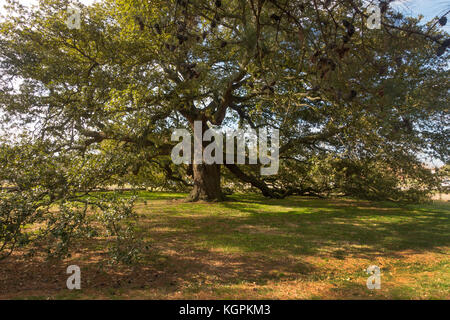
(428, 8)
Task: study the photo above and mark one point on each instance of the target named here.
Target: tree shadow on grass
(356, 229)
(253, 241)
(258, 244)
(167, 269)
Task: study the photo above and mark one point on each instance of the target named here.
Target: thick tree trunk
(206, 183)
(206, 176)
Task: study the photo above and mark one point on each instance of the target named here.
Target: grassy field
(253, 248)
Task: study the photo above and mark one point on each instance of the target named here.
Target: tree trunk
(206, 183)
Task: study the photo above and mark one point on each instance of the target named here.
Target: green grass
(295, 248)
(297, 225)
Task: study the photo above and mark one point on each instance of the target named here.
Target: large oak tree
(357, 108)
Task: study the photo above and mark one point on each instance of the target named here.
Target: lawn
(253, 248)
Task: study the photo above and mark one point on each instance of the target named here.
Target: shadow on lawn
(248, 240)
(262, 240)
(353, 229)
(297, 227)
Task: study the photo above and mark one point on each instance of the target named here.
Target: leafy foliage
(51, 203)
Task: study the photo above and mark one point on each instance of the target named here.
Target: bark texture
(206, 183)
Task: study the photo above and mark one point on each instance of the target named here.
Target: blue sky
(428, 8)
